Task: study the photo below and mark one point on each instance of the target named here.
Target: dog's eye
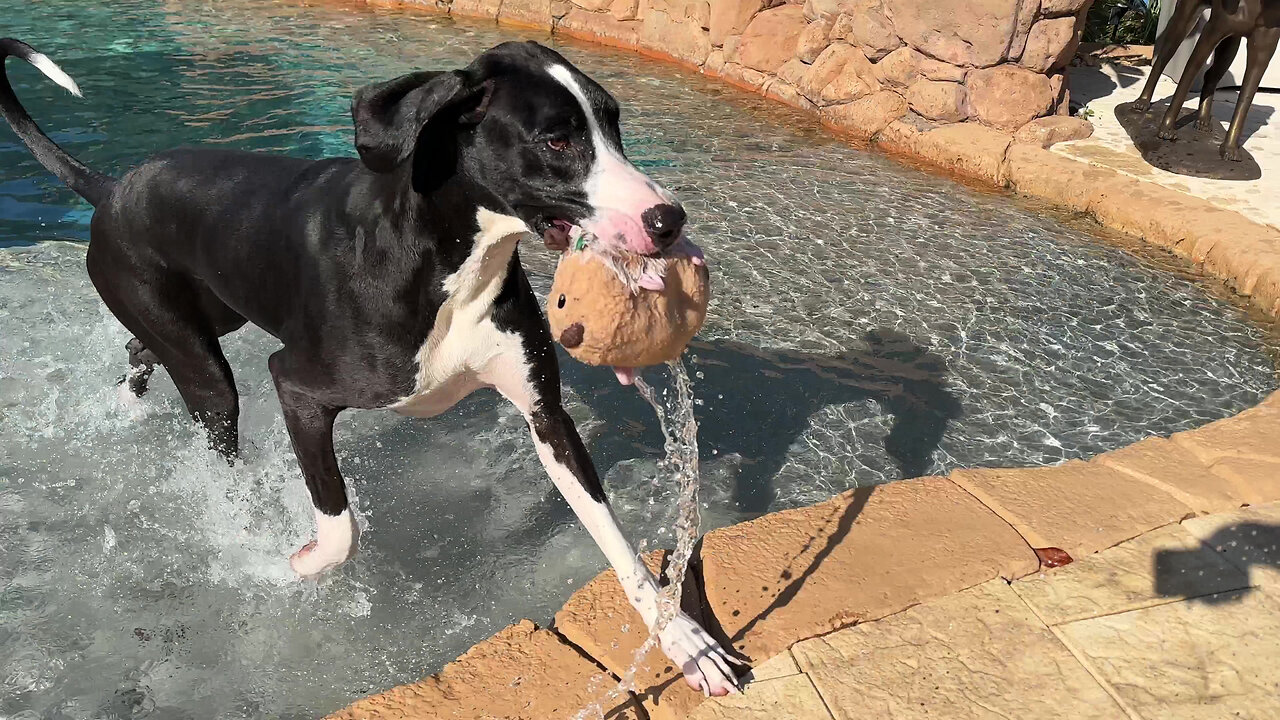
(560, 302)
(558, 144)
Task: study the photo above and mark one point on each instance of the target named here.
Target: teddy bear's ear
(571, 337)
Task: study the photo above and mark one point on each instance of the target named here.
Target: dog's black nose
(664, 223)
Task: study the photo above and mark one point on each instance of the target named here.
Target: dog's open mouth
(557, 233)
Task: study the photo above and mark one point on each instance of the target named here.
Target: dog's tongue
(626, 375)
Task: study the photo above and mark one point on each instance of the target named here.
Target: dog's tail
(90, 185)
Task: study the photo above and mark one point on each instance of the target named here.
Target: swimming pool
(870, 322)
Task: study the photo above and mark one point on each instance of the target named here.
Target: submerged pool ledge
(872, 552)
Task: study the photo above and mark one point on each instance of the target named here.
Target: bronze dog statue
(1229, 21)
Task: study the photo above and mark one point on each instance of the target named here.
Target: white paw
(335, 543)
(706, 666)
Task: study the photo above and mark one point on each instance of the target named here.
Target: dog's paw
(1204, 125)
(311, 561)
(1141, 105)
(1231, 152)
(1167, 133)
(335, 543)
(706, 666)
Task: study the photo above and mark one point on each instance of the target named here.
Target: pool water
(871, 322)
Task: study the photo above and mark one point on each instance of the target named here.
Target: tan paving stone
(600, 620)
(861, 555)
(792, 697)
(1191, 660)
(1176, 470)
(1164, 565)
(521, 673)
(1253, 433)
(1249, 538)
(780, 665)
(1077, 506)
(1243, 449)
(980, 653)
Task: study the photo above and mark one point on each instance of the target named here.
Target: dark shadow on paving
(1194, 153)
(1183, 574)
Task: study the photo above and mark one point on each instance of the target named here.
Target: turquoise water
(870, 322)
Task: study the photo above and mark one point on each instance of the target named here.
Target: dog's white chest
(465, 348)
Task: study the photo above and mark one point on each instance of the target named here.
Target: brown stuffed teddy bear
(627, 311)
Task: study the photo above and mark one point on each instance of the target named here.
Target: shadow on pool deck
(1178, 573)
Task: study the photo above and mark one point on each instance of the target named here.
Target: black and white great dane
(393, 281)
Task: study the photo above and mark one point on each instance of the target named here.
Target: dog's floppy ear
(389, 115)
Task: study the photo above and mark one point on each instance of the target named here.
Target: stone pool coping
(872, 552)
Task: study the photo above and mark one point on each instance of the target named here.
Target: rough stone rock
(731, 44)
(521, 673)
(624, 9)
(855, 79)
(1194, 660)
(1058, 85)
(826, 67)
(967, 149)
(1008, 97)
(601, 27)
(1054, 129)
(681, 39)
(1050, 45)
(730, 17)
(866, 117)
(899, 68)
(1025, 17)
(938, 100)
(961, 32)
(526, 13)
(560, 8)
(1077, 506)
(1165, 565)
(861, 555)
(1172, 468)
(770, 40)
(474, 9)
(872, 31)
(793, 72)
(792, 696)
(980, 653)
(842, 26)
(743, 77)
(715, 63)
(814, 9)
(592, 5)
(787, 94)
(1053, 8)
(814, 39)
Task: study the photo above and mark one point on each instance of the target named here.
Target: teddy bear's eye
(560, 302)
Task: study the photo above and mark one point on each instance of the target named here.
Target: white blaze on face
(617, 192)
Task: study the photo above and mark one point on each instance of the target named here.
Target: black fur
(341, 259)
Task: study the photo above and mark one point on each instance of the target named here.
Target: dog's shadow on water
(759, 401)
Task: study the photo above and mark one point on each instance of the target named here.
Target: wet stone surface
(869, 322)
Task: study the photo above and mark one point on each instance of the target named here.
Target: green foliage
(1126, 22)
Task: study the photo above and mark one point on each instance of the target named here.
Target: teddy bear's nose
(571, 337)
(663, 223)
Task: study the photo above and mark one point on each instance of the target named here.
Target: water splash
(674, 408)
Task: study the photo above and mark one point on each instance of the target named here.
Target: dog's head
(538, 133)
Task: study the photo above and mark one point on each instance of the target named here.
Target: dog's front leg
(310, 424)
(706, 666)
